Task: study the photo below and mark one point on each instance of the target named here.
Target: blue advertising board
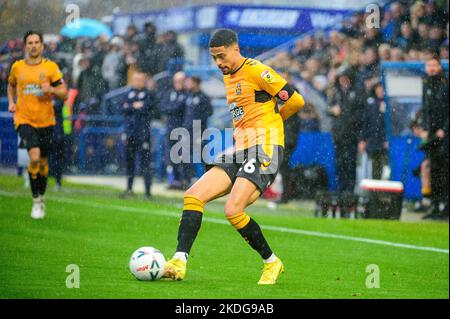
(265, 19)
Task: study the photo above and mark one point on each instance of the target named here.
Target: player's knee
(196, 191)
(34, 162)
(33, 168)
(233, 207)
(43, 167)
(34, 158)
(191, 192)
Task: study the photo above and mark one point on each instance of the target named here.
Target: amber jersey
(251, 96)
(33, 107)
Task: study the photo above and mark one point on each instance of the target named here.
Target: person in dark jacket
(291, 131)
(139, 108)
(199, 109)
(408, 39)
(150, 54)
(91, 87)
(170, 49)
(57, 150)
(173, 105)
(373, 131)
(435, 118)
(346, 111)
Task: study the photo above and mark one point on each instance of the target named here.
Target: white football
(147, 263)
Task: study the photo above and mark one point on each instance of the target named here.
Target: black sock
(253, 235)
(147, 184)
(42, 182)
(130, 183)
(34, 183)
(188, 230)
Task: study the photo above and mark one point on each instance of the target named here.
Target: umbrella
(85, 28)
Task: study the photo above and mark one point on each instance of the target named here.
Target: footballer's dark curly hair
(223, 37)
(32, 32)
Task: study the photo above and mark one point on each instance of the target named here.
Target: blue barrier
(8, 136)
(316, 148)
(96, 132)
(404, 157)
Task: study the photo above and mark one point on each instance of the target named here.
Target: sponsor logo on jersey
(237, 112)
(33, 89)
(267, 76)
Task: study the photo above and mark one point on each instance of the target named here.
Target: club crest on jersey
(267, 76)
(238, 89)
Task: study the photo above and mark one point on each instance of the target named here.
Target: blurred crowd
(95, 68)
(407, 32)
(343, 66)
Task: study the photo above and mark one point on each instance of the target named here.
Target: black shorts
(31, 137)
(253, 164)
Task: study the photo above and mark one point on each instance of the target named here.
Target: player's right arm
(11, 98)
(12, 90)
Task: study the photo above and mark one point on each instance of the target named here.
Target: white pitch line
(167, 213)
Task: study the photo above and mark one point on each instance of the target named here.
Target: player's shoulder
(255, 65)
(18, 63)
(49, 63)
(258, 68)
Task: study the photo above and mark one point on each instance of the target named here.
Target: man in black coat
(198, 108)
(173, 106)
(150, 53)
(171, 50)
(435, 117)
(291, 132)
(346, 111)
(373, 132)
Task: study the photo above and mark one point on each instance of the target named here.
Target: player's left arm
(57, 85)
(59, 89)
(293, 103)
(271, 82)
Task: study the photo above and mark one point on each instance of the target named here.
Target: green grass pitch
(94, 229)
